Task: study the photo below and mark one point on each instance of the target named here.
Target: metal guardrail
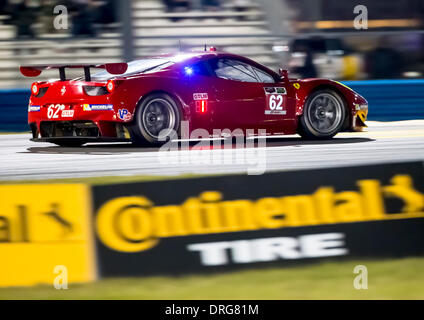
(389, 100)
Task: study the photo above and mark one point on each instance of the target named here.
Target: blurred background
(309, 37)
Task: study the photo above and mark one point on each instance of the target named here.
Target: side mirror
(284, 74)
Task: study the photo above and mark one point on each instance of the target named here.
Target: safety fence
(389, 100)
(210, 223)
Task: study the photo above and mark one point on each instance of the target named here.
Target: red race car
(146, 100)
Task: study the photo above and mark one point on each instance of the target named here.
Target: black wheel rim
(325, 113)
(158, 118)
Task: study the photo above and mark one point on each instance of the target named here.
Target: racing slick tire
(323, 116)
(156, 121)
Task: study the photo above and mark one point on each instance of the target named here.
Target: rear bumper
(103, 117)
(83, 131)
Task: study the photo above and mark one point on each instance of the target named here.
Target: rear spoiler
(112, 68)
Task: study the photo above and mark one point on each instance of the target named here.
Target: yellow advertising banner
(45, 235)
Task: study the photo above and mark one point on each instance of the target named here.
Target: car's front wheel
(323, 115)
(157, 120)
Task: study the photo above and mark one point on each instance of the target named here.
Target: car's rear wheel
(323, 115)
(157, 120)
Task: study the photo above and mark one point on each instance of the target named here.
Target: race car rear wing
(112, 68)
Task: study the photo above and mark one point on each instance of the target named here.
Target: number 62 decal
(53, 110)
(275, 104)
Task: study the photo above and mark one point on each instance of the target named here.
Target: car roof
(185, 56)
(195, 56)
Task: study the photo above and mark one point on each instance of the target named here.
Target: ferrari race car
(147, 100)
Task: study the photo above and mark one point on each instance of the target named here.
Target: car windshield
(136, 67)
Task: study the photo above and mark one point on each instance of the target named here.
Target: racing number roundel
(275, 101)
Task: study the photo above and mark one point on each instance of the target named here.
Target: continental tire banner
(217, 223)
(45, 232)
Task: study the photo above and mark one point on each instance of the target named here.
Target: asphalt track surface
(383, 142)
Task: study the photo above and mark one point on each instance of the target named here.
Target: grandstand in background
(259, 29)
(241, 28)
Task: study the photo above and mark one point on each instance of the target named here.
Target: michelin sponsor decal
(34, 108)
(97, 107)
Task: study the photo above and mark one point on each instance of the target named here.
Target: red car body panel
(229, 105)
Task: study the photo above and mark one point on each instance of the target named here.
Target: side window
(200, 68)
(233, 70)
(263, 76)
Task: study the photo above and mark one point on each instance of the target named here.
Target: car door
(199, 93)
(279, 107)
(240, 96)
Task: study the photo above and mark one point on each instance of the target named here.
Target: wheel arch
(136, 132)
(180, 103)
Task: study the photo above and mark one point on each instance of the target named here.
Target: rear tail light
(37, 91)
(34, 89)
(100, 90)
(110, 86)
(95, 90)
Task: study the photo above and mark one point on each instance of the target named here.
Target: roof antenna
(205, 47)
